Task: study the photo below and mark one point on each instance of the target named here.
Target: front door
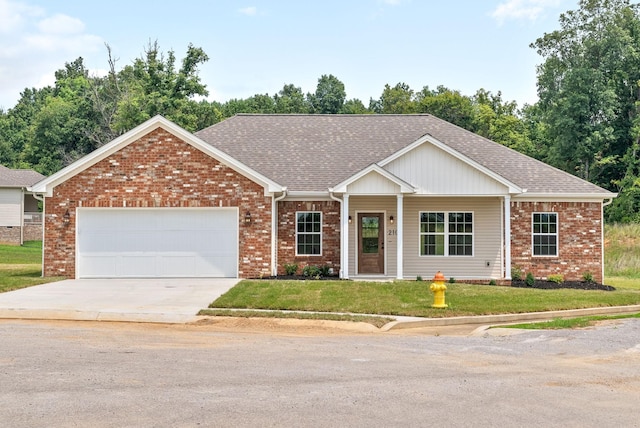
(371, 243)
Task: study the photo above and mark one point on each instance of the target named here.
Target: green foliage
(557, 278)
(622, 250)
(452, 280)
(516, 273)
(329, 96)
(311, 271)
(492, 282)
(325, 270)
(587, 276)
(419, 278)
(530, 280)
(290, 268)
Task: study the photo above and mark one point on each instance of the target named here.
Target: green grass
(579, 322)
(622, 250)
(20, 266)
(29, 253)
(410, 298)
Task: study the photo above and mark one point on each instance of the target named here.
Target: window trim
(308, 233)
(556, 234)
(446, 234)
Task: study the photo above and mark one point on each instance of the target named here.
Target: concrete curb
(508, 318)
(72, 315)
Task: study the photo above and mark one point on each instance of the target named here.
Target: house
(384, 196)
(20, 219)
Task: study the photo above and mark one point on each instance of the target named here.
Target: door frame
(383, 213)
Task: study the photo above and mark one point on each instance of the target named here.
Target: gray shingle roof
(18, 177)
(315, 152)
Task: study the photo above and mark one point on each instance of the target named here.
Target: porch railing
(32, 218)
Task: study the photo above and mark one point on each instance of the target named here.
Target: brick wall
(330, 234)
(33, 232)
(158, 170)
(10, 235)
(579, 240)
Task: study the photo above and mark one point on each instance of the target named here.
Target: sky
(258, 46)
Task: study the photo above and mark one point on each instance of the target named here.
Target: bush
(530, 280)
(325, 270)
(516, 273)
(557, 278)
(419, 278)
(290, 268)
(492, 282)
(311, 271)
(587, 276)
(452, 280)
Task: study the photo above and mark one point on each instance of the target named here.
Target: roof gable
(373, 180)
(312, 153)
(47, 185)
(435, 169)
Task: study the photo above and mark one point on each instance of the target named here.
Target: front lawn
(411, 298)
(21, 266)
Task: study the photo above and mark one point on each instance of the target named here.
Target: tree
(329, 96)
(290, 99)
(152, 86)
(588, 88)
(448, 105)
(396, 100)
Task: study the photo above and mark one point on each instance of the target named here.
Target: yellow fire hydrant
(438, 288)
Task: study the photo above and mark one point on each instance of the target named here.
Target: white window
(446, 234)
(545, 234)
(308, 233)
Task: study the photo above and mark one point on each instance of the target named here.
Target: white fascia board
(513, 188)
(46, 186)
(404, 186)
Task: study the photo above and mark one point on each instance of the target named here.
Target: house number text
(392, 232)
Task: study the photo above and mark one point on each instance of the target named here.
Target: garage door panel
(173, 242)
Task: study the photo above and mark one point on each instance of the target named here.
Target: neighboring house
(384, 196)
(20, 219)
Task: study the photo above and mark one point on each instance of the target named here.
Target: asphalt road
(90, 374)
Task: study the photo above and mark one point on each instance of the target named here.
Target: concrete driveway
(144, 300)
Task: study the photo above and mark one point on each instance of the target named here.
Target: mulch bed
(550, 285)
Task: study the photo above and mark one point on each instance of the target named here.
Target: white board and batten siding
(156, 242)
(435, 172)
(487, 241)
(373, 184)
(10, 207)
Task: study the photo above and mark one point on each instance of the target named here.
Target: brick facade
(10, 235)
(580, 246)
(330, 234)
(158, 170)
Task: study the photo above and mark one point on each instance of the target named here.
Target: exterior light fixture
(350, 220)
(66, 217)
(247, 218)
(391, 219)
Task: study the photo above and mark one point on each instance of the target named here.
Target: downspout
(342, 233)
(22, 216)
(604, 204)
(41, 199)
(274, 231)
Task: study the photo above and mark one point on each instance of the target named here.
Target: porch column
(400, 235)
(344, 238)
(507, 237)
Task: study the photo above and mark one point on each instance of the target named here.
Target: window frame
(556, 234)
(446, 234)
(298, 233)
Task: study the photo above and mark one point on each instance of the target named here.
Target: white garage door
(157, 242)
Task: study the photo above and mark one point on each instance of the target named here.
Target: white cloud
(36, 43)
(522, 9)
(61, 24)
(249, 11)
